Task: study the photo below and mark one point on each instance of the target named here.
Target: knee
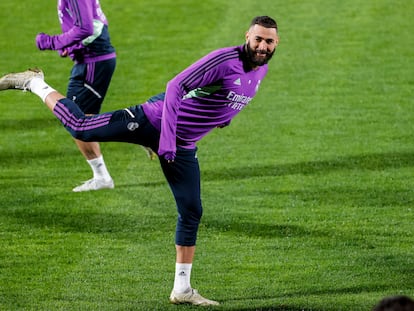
(188, 222)
(79, 135)
(190, 210)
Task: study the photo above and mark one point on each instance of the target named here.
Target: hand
(63, 53)
(43, 41)
(169, 157)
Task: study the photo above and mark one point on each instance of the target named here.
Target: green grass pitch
(308, 195)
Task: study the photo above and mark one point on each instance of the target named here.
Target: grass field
(308, 195)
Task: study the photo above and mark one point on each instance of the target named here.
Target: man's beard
(256, 60)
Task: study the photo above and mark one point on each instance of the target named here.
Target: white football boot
(20, 80)
(94, 184)
(191, 297)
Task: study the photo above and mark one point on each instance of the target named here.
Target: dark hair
(395, 303)
(264, 21)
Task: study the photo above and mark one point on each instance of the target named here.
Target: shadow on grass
(242, 227)
(282, 307)
(376, 161)
(375, 196)
(30, 124)
(90, 220)
(66, 215)
(286, 300)
(81, 214)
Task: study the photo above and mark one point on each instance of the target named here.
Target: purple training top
(84, 31)
(206, 95)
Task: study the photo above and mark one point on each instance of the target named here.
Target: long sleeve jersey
(206, 95)
(84, 31)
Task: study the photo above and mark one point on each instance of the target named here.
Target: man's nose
(263, 46)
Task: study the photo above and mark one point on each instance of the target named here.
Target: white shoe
(150, 153)
(20, 80)
(191, 297)
(94, 184)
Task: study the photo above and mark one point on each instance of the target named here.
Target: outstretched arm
(81, 18)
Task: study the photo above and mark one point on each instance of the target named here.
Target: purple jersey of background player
(85, 34)
(206, 95)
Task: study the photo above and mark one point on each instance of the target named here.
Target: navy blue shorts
(88, 84)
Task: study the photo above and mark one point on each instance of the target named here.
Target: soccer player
(85, 39)
(206, 95)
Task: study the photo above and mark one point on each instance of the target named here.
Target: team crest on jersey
(237, 82)
(132, 126)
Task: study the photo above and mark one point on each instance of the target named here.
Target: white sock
(99, 168)
(182, 277)
(39, 87)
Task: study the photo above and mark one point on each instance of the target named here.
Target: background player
(85, 39)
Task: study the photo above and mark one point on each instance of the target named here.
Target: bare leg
(184, 254)
(90, 150)
(52, 99)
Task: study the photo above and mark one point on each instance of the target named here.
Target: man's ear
(247, 36)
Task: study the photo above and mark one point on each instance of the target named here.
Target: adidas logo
(237, 82)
